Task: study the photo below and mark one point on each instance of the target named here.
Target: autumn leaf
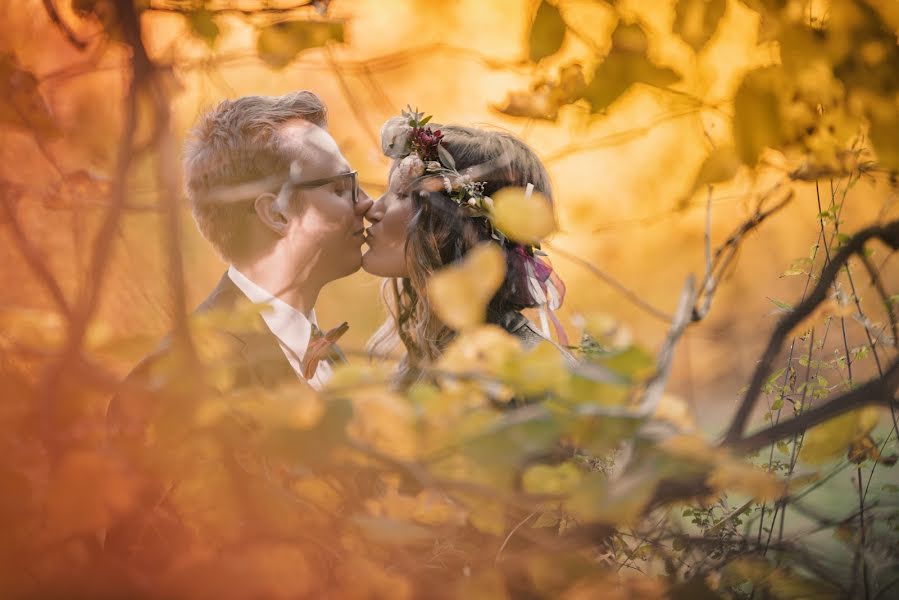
(625, 65)
(833, 438)
(547, 32)
(545, 97)
(278, 44)
(695, 21)
(202, 24)
(757, 119)
(460, 292)
(525, 219)
(551, 479)
(392, 531)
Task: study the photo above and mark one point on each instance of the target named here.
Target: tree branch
(888, 233)
(877, 391)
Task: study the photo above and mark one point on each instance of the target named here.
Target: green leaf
(784, 306)
(279, 44)
(758, 123)
(203, 25)
(695, 21)
(547, 32)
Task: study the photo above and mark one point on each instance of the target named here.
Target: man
(271, 191)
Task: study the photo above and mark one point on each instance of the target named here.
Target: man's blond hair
(238, 143)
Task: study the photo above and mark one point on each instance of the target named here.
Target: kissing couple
(270, 189)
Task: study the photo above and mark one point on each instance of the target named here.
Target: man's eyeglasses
(314, 183)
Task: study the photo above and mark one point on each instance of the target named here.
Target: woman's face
(389, 217)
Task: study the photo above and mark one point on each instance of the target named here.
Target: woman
(437, 208)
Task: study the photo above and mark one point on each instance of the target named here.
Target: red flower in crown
(425, 142)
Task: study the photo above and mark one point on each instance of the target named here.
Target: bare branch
(889, 233)
(877, 391)
(31, 254)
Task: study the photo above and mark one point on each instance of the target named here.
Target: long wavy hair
(439, 234)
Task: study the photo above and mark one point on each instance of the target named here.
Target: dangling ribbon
(545, 287)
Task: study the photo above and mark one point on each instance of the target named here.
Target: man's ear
(272, 212)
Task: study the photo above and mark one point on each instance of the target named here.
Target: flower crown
(420, 151)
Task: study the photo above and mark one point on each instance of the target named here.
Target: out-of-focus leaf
(392, 531)
(202, 24)
(551, 479)
(884, 125)
(544, 98)
(278, 44)
(633, 362)
(525, 219)
(597, 500)
(385, 422)
(719, 166)
(269, 569)
(460, 292)
(21, 103)
(832, 438)
(538, 371)
(675, 411)
(483, 585)
(695, 21)
(758, 123)
(88, 491)
(547, 32)
(625, 65)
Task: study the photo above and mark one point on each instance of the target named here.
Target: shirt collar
(290, 326)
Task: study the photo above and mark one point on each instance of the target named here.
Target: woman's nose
(375, 211)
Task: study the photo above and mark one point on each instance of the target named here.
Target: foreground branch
(877, 391)
(889, 234)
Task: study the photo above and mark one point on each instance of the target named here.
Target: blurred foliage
(504, 473)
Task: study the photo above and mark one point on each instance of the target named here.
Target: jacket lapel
(263, 361)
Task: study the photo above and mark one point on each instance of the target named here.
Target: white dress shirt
(290, 327)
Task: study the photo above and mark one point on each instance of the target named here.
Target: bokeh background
(623, 178)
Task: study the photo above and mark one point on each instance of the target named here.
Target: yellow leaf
(538, 371)
(278, 44)
(527, 220)
(202, 24)
(720, 165)
(392, 531)
(460, 292)
(549, 479)
(758, 123)
(547, 32)
(596, 500)
(832, 438)
(386, 422)
(696, 20)
(674, 410)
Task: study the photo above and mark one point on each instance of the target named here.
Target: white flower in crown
(395, 137)
(408, 169)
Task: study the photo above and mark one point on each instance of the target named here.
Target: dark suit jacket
(254, 357)
(152, 533)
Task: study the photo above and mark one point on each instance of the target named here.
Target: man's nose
(363, 203)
